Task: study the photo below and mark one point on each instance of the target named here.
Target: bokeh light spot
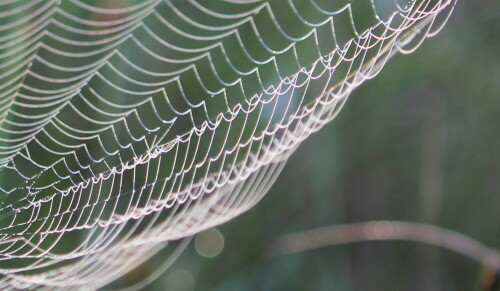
(209, 243)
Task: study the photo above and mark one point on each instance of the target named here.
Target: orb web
(126, 125)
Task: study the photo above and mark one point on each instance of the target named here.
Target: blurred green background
(420, 143)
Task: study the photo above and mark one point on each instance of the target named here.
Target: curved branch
(388, 230)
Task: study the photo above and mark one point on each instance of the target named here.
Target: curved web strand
(128, 125)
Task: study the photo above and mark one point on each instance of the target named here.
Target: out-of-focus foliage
(419, 143)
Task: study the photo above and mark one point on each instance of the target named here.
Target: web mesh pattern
(128, 124)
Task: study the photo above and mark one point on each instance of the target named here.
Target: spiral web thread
(126, 125)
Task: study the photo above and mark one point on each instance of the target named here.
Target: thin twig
(387, 230)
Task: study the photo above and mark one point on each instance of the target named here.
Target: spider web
(125, 125)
